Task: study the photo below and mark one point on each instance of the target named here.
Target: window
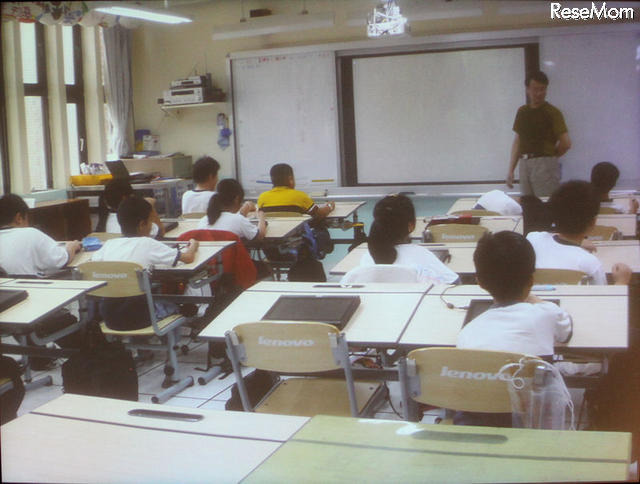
(73, 79)
(34, 75)
(5, 179)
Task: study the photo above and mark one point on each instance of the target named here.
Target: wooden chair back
(476, 212)
(607, 211)
(558, 276)
(193, 215)
(287, 347)
(460, 379)
(121, 277)
(604, 232)
(457, 232)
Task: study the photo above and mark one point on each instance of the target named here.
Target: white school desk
(466, 203)
(45, 297)
(384, 311)
(277, 228)
(625, 223)
(339, 449)
(496, 223)
(461, 260)
(88, 439)
(600, 316)
(609, 252)
(206, 251)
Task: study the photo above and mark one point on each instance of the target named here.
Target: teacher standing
(541, 138)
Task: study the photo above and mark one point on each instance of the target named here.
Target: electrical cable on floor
(391, 403)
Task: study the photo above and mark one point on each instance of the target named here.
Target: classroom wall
(162, 53)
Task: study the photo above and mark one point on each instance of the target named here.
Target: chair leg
(172, 385)
(410, 407)
(235, 363)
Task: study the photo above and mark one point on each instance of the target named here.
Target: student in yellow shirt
(283, 197)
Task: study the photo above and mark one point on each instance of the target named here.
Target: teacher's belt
(528, 156)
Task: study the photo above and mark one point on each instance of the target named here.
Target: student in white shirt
(205, 176)
(574, 207)
(134, 216)
(226, 211)
(518, 321)
(114, 192)
(27, 251)
(394, 218)
(498, 201)
(604, 176)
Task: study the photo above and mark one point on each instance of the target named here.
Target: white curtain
(117, 83)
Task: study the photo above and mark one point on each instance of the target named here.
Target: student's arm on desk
(621, 273)
(189, 255)
(320, 212)
(262, 225)
(563, 323)
(72, 249)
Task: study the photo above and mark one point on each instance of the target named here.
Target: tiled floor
(213, 395)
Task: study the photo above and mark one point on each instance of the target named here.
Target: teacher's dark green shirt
(539, 129)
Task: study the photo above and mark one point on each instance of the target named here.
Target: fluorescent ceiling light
(274, 24)
(144, 14)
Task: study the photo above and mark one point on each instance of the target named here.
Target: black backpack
(258, 384)
(102, 370)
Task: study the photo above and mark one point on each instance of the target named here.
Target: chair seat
(5, 385)
(308, 397)
(148, 331)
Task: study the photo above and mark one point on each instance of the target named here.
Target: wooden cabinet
(62, 219)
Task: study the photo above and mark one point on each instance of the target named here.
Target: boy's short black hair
(538, 76)
(280, 174)
(574, 205)
(131, 212)
(604, 176)
(505, 262)
(10, 206)
(203, 168)
(115, 191)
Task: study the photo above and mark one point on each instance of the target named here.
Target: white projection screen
(436, 117)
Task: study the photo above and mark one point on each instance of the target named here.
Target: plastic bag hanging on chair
(539, 397)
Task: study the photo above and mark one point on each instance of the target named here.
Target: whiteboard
(285, 111)
(436, 116)
(595, 80)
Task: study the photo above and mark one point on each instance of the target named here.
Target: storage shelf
(194, 105)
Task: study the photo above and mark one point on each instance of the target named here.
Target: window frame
(75, 93)
(41, 89)
(5, 168)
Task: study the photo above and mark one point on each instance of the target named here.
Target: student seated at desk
(134, 216)
(283, 197)
(114, 193)
(226, 211)
(604, 176)
(574, 207)
(498, 201)
(394, 218)
(519, 321)
(27, 251)
(205, 176)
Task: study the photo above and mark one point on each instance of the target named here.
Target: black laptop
(11, 297)
(335, 310)
(479, 306)
(120, 172)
